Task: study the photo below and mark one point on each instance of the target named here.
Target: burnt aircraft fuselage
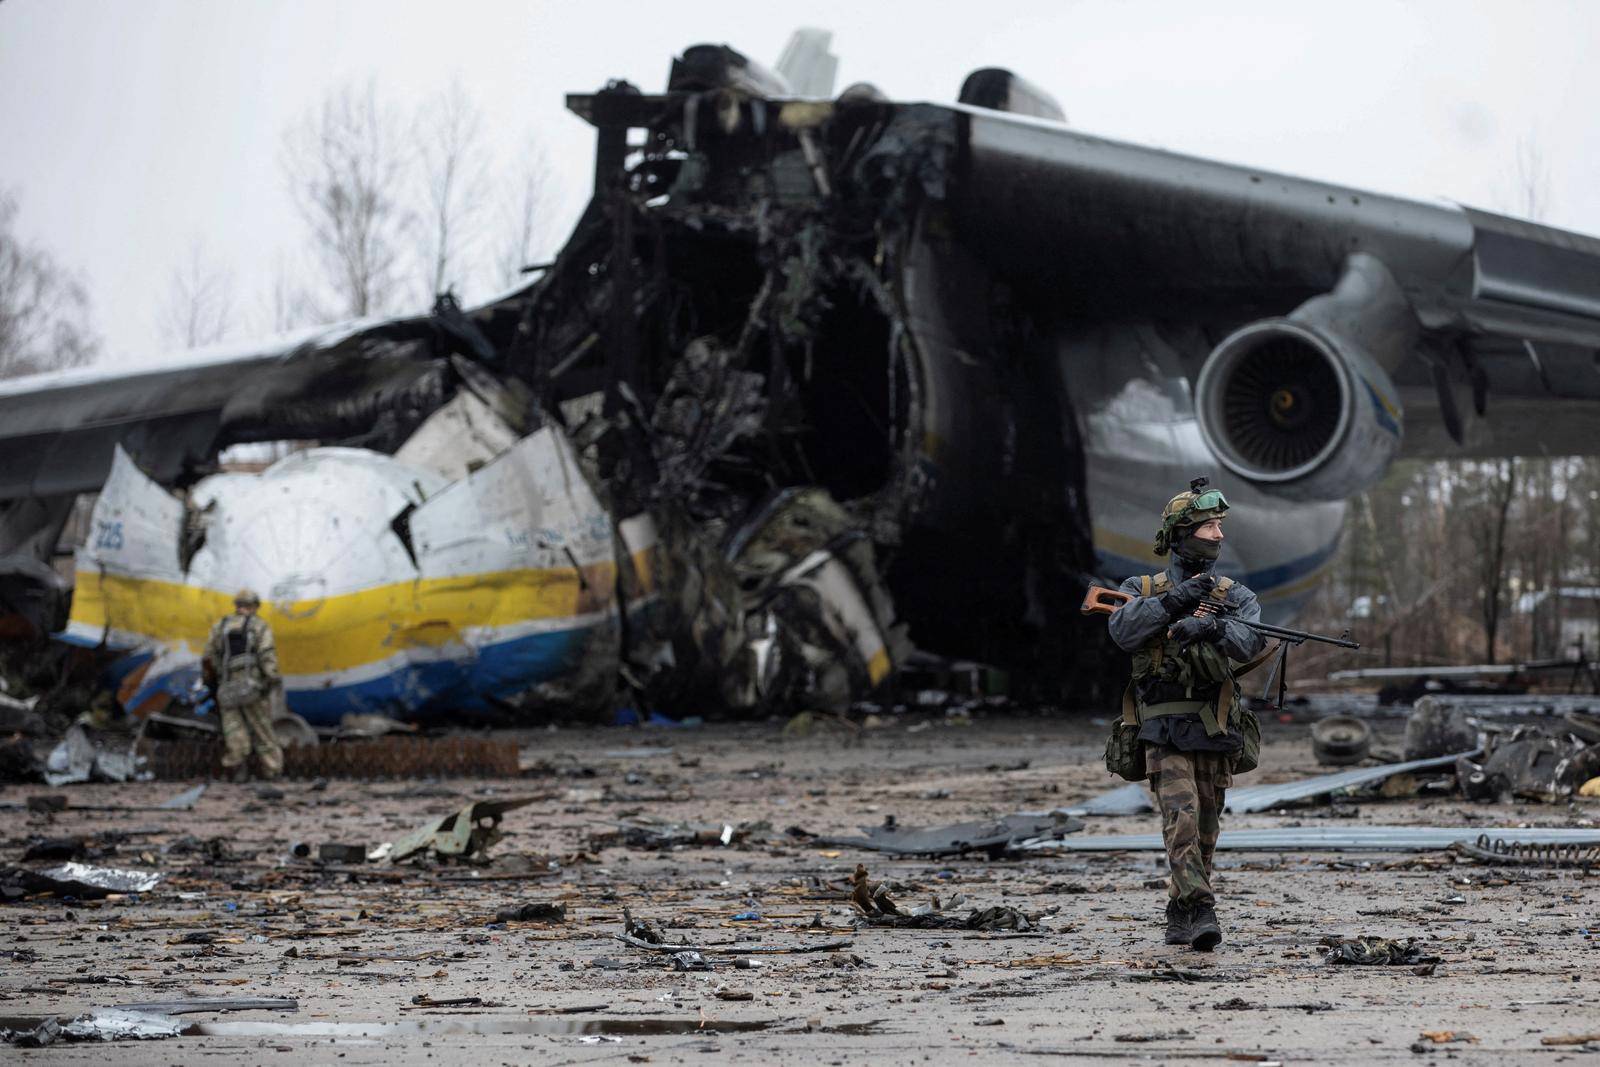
(913, 363)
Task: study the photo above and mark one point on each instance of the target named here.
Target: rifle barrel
(1298, 636)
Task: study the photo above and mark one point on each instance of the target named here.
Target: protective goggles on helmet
(1209, 500)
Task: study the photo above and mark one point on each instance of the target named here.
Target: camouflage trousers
(1189, 790)
(246, 727)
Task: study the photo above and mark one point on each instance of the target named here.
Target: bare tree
(1487, 518)
(199, 307)
(455, 185)
(44, 308)
(346, 164)
(522, 215)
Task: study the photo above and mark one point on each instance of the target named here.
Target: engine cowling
(1303, 406)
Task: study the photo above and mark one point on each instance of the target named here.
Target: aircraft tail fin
(807, 65)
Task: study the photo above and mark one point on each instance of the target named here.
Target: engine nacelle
(1303, 406)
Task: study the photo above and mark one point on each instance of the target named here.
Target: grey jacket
(1136, 622)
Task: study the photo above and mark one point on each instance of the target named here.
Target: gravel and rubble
(739, 938)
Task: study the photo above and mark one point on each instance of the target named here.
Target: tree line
(1459, 562)
(396, 206)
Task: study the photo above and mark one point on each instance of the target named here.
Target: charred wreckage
(818, 385)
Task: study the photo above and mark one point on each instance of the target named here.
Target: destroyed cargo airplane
(815, 380)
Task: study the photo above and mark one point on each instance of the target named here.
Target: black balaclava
(1195, 554)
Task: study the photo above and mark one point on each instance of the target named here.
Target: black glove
(1184, 597)
(1188, 631)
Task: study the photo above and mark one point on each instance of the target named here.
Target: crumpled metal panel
(995, 836)
(1130, 799)
(460, 835)
(458, 438)
(387, 586)
(1263, 797)
(1134, 798)
(1331, 839)
(108, 879)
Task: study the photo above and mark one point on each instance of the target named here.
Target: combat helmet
(246, 598)
(1187, 509)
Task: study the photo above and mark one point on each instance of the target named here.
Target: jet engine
(1303, 406)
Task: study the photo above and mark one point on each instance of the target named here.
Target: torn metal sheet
(184, 801)
(1130, 799)
(72, 760)
(464, 834)
(105, 1024)
(1263, 797)
(118, 1024)
(79, 757)
(457, 439)
(1134, 798)
(994, 837)
(82, 880)
(1332, 839)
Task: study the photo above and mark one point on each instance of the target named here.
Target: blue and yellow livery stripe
(348, 631)
(414, 646)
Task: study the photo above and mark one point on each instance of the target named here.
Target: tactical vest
(237, 652)
(1201, 670)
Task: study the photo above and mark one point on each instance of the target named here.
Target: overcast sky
(132, 130)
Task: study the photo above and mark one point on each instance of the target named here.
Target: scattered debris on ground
(1376, 951)
(1340, 740)
(463, 835)
(538, 938)
(994, 838)
(81, 881)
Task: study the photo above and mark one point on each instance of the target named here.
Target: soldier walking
(241, 667)
(1187, 649)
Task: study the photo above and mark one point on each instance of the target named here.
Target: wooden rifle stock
(1102, 601)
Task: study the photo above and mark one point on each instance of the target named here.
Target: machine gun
(1102, 601)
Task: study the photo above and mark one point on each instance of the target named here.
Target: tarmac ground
(375, 953)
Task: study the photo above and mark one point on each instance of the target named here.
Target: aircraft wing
(1488, 327)
(1335, 323)
(59, 431)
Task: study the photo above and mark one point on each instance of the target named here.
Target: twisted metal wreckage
(810, 378)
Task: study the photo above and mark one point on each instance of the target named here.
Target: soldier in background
(241, 668)
(1186, 699)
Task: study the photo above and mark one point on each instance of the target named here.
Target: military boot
(1205, 933)
(1178, 920)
